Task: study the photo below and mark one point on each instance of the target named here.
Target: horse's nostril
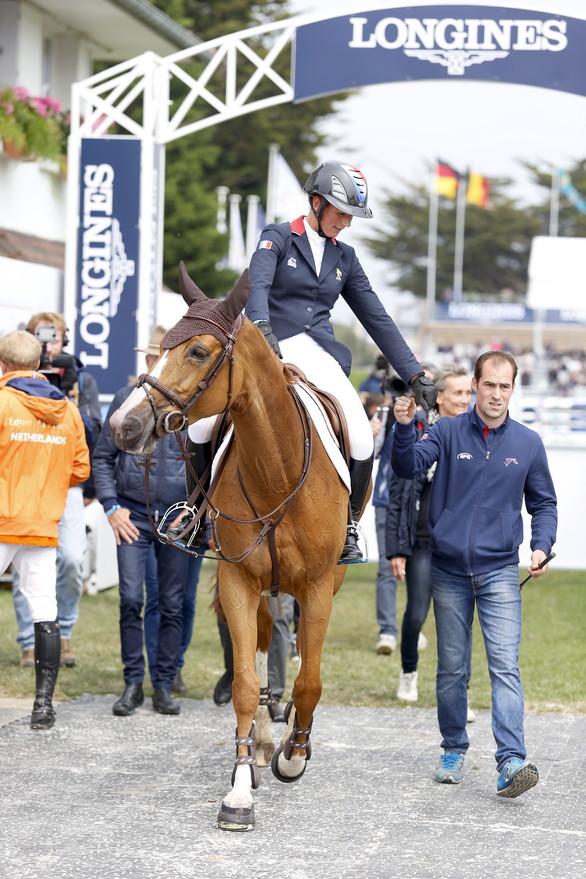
(127, 434)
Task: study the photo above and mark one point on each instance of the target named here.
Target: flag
(286, 199)
(478, 190)
(568, 189)
(446, 180)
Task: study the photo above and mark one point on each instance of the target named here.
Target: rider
(297, 272)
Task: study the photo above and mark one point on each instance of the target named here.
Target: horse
(279, 511)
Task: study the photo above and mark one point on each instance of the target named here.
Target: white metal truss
(230, 71)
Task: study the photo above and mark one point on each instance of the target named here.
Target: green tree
(232, 153)
(497, 242)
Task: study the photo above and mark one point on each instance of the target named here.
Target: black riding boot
(360, 473)
(47, 656)
(200, 460)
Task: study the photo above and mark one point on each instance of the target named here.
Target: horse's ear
(238, 296)
(188, 288)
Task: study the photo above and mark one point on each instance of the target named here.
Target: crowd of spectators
(564, 371)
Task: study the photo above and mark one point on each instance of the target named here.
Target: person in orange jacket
(43, 452)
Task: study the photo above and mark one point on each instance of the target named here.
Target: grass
(553, 649)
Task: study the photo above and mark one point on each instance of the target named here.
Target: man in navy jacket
(120, 485)
(486, 464)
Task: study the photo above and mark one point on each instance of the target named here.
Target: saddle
(330, 404)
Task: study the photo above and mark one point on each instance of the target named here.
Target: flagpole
(432, 246)
(251, 224)
(459, 243)
(274, 150)
(554, 203)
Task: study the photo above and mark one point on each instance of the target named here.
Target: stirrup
(352, 554)
(185, 535)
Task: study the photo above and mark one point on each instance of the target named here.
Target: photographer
(391, 386)
(66, 372)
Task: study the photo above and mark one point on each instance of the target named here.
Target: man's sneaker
(449, 768)
(470, 715)
(408, 687)
(516, 777)
(386, 644)
(421, 641)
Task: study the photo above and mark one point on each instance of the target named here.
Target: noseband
(169, 422)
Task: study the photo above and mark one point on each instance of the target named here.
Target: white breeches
(326, 373)
(37, 572)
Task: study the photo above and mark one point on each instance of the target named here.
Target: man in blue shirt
(486, 464)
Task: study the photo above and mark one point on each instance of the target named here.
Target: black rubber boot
(200, 460)
(47, 656)
(360, 474)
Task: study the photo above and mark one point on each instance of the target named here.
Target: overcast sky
(395, 131)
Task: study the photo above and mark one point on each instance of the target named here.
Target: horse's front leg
(265, 744)
(290, 759)
(240, 608)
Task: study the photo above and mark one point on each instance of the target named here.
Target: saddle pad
(321, 423)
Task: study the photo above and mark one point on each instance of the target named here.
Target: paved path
(102, 797)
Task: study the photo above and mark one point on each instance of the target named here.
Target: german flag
(478, 190)
(446, 180)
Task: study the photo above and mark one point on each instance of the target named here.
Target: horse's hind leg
(290, 759)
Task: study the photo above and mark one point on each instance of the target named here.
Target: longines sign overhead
(495, 43)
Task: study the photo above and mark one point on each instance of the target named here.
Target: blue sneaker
(449, 768)
(516, 777)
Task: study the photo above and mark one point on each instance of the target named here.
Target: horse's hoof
(278, 774)
(236, 819)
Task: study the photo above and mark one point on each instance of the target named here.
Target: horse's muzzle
(129, 435)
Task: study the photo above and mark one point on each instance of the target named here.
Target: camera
(50, 362)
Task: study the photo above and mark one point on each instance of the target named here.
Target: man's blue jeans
(70, 557)
(152, 617)
(172, 565)
(498, 601)
(386, 585)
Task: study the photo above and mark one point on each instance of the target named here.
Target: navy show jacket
(286, 291)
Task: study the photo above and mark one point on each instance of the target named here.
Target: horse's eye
(198, 352)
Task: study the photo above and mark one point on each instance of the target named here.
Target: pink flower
(21, 93)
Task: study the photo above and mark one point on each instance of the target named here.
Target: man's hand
(405, 409)
(398, 567)
(122, 527)
(537, 557)
(424, 391)
(267, 331)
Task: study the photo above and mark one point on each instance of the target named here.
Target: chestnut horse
(279, 510)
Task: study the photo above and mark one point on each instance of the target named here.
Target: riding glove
(424, 391)
(267, 331)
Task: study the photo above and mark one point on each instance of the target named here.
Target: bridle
(164, 424)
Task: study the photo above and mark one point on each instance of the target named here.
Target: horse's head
(193, 370)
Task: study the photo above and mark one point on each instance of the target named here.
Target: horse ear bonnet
(207, 317)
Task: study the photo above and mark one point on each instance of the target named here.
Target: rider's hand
(424, 391)
(267, 331)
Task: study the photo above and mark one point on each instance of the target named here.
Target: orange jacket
(42, 453)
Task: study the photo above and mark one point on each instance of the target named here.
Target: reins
(164, 426)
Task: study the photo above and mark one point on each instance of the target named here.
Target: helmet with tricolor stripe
(342, 185)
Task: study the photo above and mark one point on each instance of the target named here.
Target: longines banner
(494, 43)
(107, 259)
